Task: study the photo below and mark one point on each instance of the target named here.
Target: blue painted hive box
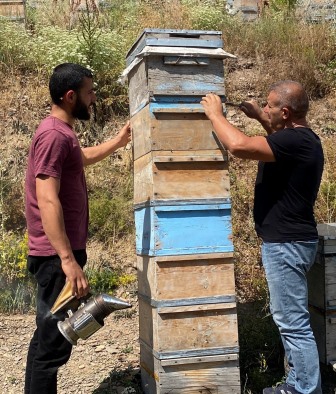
(183, 227)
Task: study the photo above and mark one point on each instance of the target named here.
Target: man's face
(275, 112)
(86, 97)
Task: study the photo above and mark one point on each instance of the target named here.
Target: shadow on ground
(261, 351)
(127, 381)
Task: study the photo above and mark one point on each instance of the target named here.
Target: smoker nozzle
(89, 317)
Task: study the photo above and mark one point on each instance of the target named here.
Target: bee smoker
(89, 317)
(86, 316)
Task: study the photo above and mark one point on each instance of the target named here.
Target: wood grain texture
(195, 375)
(190, 327)
(153, 76)
(172, 131)
(179, 175)
(206, 276)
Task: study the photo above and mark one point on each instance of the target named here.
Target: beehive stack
(322, 294)
(188, 321)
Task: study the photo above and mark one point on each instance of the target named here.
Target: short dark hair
(292, 94)
(65, 77)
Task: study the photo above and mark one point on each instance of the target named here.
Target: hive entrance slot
(183, 35)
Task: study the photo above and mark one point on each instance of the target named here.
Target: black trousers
(48, 349)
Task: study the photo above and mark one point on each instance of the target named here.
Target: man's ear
(70, 96)
(286, 113)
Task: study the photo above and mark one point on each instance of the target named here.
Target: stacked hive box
(12, 10)
(188, 322)
(322, 294)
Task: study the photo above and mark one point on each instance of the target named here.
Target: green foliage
(110, 217)
(13, 255)
(283, 5)
(14, 40)
(261, 354)
(207, 15)
(17, 290)
(106, 280)
(284, 48)
(20, 297)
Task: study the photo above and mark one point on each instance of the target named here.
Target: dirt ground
(107, 362)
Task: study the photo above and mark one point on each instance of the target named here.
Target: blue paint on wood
(188, 301)
(162, 98)
(216, 85)
(175, 38)
(181, 103)
(183, 229)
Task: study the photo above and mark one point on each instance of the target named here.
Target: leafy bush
(110, 217)
(13, 257)
(17, 289)
(207, 14)
(106, 280)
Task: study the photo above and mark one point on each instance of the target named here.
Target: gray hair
(292, 95)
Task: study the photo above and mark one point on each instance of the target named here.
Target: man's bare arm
(97, 153)
(235, 141)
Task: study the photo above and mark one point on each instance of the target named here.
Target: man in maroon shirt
(57, 215)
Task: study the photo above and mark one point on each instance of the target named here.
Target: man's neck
(296, 123)
(59, 113)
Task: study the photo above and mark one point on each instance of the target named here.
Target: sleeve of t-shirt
(51, 149)
(285, 144)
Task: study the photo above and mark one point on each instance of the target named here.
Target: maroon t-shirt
(55, 152)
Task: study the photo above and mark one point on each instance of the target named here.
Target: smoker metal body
(89, 317)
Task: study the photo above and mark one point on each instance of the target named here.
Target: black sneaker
(269, 390)
(285, 389)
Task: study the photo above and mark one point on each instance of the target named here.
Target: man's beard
(81, 111)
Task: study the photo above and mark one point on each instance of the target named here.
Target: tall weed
(286, 49)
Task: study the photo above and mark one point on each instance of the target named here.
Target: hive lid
(182, 52)
(175, 38)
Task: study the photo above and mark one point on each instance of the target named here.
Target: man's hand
(75, 275)
(251, 109)
(212, 105)
(124, 135)
(93, 154)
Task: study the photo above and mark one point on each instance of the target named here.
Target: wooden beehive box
(174, 127)
(183, 64)
(12, 10)
(323, 323)
(186, 278)
(322, 276)
(176, 331)
(183, 227)
(322, 282)
(210, 374)
(322, 293)
(181, 175)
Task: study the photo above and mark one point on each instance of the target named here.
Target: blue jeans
(286, 265)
